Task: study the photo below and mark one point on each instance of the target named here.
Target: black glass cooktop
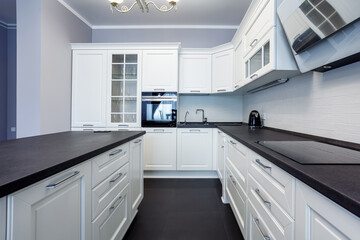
(310, 152)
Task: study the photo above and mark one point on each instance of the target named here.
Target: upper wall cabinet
(89, 88)
(195, 73)
(160, 71)
(239, 78)
(223, 70)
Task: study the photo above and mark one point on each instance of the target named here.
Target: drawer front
(259, 196)
(107, 190)
(262, 21)
(107, 163)
(279, 184)
(113, 221)
(236, 160)
(237, 200)
(257, 227)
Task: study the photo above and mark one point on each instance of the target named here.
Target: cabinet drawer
(237, 162)
(237, 200)
(114, 219)
(279, 184)
(107, 163)
(257, 227)
(238, 176)
(107, 190)
(265, 204)
(262, 21)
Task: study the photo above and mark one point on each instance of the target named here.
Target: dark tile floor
(183, 209)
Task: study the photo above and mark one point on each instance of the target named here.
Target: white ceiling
(194, 13)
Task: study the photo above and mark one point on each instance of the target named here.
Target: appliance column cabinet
(194, 149)
(195, 73)
(160, 149)
(222, 71)
(160, 71)
(317, 217)
(89, 88)
(136, 172)
(124, 91)
(56, 208)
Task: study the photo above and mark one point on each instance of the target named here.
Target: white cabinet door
(3, 218)
(317, 217)
(195, 73)
(194, 151)
(89, 88)
(222, 71)
(124, 89)
(239, 66)
(136, 172)
(160, 149)
(57, 208)
(160, 71)
(220, 155)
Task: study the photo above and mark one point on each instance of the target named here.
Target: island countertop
(26, 161)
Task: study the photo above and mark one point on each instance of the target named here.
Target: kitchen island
(89, 183)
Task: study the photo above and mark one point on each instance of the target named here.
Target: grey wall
(11, 84)
(45, 30)
(189, 38)
(3, 82)
(326, 104)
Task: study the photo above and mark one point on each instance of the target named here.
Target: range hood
(322, 29)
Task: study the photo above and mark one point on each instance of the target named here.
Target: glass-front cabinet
(124, 89)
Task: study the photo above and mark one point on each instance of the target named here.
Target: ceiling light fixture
(143, 4)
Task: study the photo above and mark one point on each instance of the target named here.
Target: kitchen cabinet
(238, 66)
(89, 88)
(257, 227)
(160, 149)
(220, 168)
(2, 218)
(136, 172)
(317, 217)
(194, 149)
(195, 73)
(124, 88)
(58, 207)
(160, 71)
(223, 70)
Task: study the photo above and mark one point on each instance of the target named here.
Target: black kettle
(254, 119)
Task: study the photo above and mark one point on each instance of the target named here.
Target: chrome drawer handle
(195, 91)
(221, 90)
(88, 125)
(159, 89)
(138, 141)
(116, 178)
(116, 203)
(253, 43)
(262, 165)
(159, 130)
(232, 142)
(232, 179)
(54, 185)
(257, 222)
(262, 199)
(253, 76)
(236, 86)
(123, 125)
(194, 130)
(116, 152)
(88, 130)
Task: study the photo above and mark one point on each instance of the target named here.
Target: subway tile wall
(326, 105)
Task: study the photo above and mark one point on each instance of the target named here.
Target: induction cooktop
(311, 152)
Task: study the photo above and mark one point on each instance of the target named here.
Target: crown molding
(7, 25)
(164, 27)
(75, 13)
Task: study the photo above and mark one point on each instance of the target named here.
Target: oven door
(159, 111)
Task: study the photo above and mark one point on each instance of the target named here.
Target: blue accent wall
(3, 83)
(11, 83)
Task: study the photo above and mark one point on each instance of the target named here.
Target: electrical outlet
(263, 116)
(13, 129)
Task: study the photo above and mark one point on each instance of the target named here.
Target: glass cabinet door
(124, 89)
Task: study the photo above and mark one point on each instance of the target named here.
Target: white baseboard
(181, 174)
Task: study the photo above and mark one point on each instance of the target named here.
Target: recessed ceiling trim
(165, 27)
(75, 13)
(7, 25)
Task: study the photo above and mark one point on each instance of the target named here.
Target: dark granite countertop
(28, 160)
(340, 183)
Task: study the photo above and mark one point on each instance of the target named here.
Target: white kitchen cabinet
(257, 227)
(195, 73)
(239, 78)
(220, 167)
(124, 88)
(160, 149)
(3, 218)
(194, 149)
(136, 172)
(317, 217)
(56, 208)
(160, 71)
(223, 70)
(89, 88)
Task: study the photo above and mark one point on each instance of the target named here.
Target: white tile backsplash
(326, 105)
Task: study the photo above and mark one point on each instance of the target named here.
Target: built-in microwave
(159, 109)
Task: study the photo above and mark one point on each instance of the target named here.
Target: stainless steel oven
(159, 109)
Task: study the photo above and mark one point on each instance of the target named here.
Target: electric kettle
(254, 119)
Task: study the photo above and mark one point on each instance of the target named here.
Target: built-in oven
(159, 109)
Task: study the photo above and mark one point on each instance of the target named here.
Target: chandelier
(143, 4)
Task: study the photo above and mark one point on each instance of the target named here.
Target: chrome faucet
(187, 113)
(204, 119)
